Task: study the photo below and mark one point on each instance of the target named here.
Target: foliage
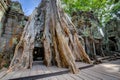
(104, 9)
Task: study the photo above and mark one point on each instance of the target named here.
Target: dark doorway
(38, 54)
(113, 39)
(112, 44)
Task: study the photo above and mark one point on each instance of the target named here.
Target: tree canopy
(103, 9)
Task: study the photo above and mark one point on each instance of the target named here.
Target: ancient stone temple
(12, 22)
(50, 34)
(112, 35)
(88, 27)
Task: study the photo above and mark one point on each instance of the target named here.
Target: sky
(28, 5)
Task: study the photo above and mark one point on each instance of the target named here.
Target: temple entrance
(38, 54)
(112, 44)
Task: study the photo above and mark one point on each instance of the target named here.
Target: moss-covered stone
(112, 35)
(88, 27)
(11, 31)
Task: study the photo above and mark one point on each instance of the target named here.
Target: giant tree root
(50, 26)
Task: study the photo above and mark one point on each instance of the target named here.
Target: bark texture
(52, 28)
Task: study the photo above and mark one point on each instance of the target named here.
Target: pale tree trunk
(59, 39)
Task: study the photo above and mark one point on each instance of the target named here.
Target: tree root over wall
(60, 39)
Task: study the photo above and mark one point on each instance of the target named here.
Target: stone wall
(112, 35)
(11, 32)
(88, 27)
(4, 4)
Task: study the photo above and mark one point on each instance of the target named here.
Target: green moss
(6, 65)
